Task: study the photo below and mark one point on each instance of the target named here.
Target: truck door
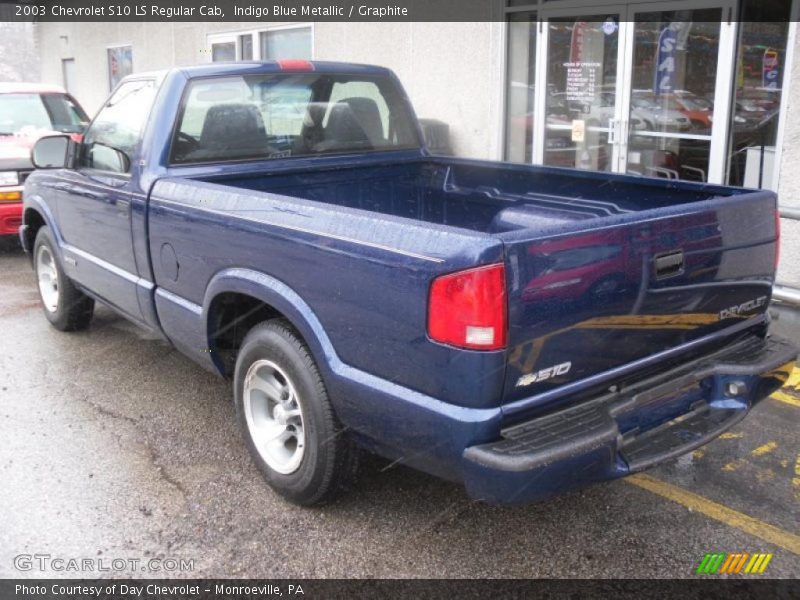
(94, 203)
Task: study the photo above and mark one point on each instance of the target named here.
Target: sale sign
(665, 62)
(770, 69)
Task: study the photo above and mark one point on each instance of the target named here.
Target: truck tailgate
(620, 288)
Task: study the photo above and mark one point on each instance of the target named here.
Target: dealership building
(699, 90)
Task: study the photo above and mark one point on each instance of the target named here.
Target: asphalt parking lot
(116, 446)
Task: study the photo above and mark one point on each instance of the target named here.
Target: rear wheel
(287, 419)
(65, 306)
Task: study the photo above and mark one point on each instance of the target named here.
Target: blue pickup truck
(519, 329)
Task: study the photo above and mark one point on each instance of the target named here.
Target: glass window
(581, 84)
(120, 64)
(520, 87)
(283, 115)
(343, 91)
(118, 126)
(246, 47)
(675, 59)
(65, 114)
(18, 111)
(223, 52)
(760, 72)
(286, 43)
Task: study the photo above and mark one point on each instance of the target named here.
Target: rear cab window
(258, 117)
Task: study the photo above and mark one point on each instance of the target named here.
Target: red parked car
(29, 111)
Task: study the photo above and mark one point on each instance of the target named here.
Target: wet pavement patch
(116, 445)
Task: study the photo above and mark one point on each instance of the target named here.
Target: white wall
(789, 182)
(155, 46)
(452, 71)
(19, 59)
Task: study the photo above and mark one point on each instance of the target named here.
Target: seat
(368, 117)
(312, 133)
(233, 130)
(354, 122)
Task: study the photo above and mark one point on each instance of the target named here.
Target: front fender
(36, 204)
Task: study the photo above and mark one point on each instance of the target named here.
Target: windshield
(32, 112)
(286, 115)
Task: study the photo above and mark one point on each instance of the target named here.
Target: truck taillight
(777, 237)
(468, 309)
(295, 64)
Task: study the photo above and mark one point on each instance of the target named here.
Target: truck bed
(593, 296)
(490, 198)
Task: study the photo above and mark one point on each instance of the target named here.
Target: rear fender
(283, 299)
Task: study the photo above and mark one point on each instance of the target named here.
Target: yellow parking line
(718, 512)
(794, 379)
(784, 397)
(765, 449)
(733, 465)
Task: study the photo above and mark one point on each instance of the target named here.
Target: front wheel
(287, 419)
(65, 306)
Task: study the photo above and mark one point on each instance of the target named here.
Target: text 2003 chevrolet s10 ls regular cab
(523, 330)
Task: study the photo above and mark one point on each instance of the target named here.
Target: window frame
(79, 155)
(235, 36)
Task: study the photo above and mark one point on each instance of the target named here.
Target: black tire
(330, 458)
(9, 244)
(74, 309)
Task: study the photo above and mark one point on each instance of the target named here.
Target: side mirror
(50, 152)
(107, 158)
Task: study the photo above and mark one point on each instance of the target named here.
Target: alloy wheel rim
(274, 416)
(47, 274)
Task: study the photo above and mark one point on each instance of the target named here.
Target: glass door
(577, 109)
(637, 88)
(677, 90)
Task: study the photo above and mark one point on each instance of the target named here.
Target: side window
(111, 140)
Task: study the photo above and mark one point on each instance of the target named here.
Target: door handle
(612, 131)
(669, 264)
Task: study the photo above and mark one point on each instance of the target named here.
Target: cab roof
(258, 67)
(281, 66)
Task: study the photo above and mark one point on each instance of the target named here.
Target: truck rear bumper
(606, 438)
(10, 217)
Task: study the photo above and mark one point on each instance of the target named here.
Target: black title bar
(354, 589)
(254, 10)
(266, 11)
